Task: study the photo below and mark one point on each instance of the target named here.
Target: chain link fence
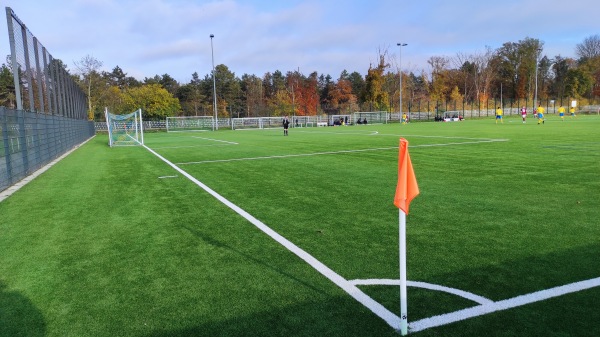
(42, 84)
(49, 117)
(30, 140)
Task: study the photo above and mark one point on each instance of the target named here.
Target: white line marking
(286, 156)
(462, 143)
(364, 133)
(416, 284)
(378, 309)
(483, 309)
(188, 146)
(390, 318)
(442, 137)
(334, 152)
(216, 140)
(163, 177)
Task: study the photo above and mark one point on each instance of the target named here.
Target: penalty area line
(390, 318)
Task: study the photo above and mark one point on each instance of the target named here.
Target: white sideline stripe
(163, 177)
(483, 309)
(188, 146)
(442, 137)
(9, 191)
(430, 286)
(335, 152)
(378, 309)
(286, 156)
(216, 140)
(364, 133)
(462, 143)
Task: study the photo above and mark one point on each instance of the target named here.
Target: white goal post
(190, 123)
(124, 130)
(250, 123)
(371, 117)
(340, 119)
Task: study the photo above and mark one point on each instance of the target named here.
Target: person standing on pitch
(286, 124)
(523, 113)
(561, 113)
(540, 114)
(572, 111)
(499, 115)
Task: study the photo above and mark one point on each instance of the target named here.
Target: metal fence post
(6, 148)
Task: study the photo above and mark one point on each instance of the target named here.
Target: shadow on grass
(573, 314)
(219, 244)
(506, 279)
(335, 317)
(18, 316)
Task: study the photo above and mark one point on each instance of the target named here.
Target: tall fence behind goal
(125, 130)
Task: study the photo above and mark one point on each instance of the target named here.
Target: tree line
(511, 72)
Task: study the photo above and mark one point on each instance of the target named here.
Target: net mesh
(125, 130)
(376, 117)
(191, 123)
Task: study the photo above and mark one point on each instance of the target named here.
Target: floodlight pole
(400, 70)
(216, 125)
(537, 55)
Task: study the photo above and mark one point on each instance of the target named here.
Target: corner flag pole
(402, 247)
(406, 190)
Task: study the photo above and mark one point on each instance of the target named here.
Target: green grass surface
(106, 244)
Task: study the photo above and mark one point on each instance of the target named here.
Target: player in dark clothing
(286, 124)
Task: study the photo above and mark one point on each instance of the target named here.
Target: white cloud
(152, 37)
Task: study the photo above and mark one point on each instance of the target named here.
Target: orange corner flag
(407, 188)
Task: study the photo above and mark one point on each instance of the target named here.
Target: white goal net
(371, 117)
(340, 119)
(257, 123)
(190, 123)
(124, 130)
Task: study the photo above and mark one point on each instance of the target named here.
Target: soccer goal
(340, 119)
(190, 123)
(124, 130)
(373, 117)
(253, 123)
(247, 123)
(272, 122)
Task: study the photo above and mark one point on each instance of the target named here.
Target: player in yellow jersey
(572, 111)
(499, 115)
(561, 113)
(540, 114)
(404, 118)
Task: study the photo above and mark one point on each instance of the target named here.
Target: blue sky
(150, 37)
